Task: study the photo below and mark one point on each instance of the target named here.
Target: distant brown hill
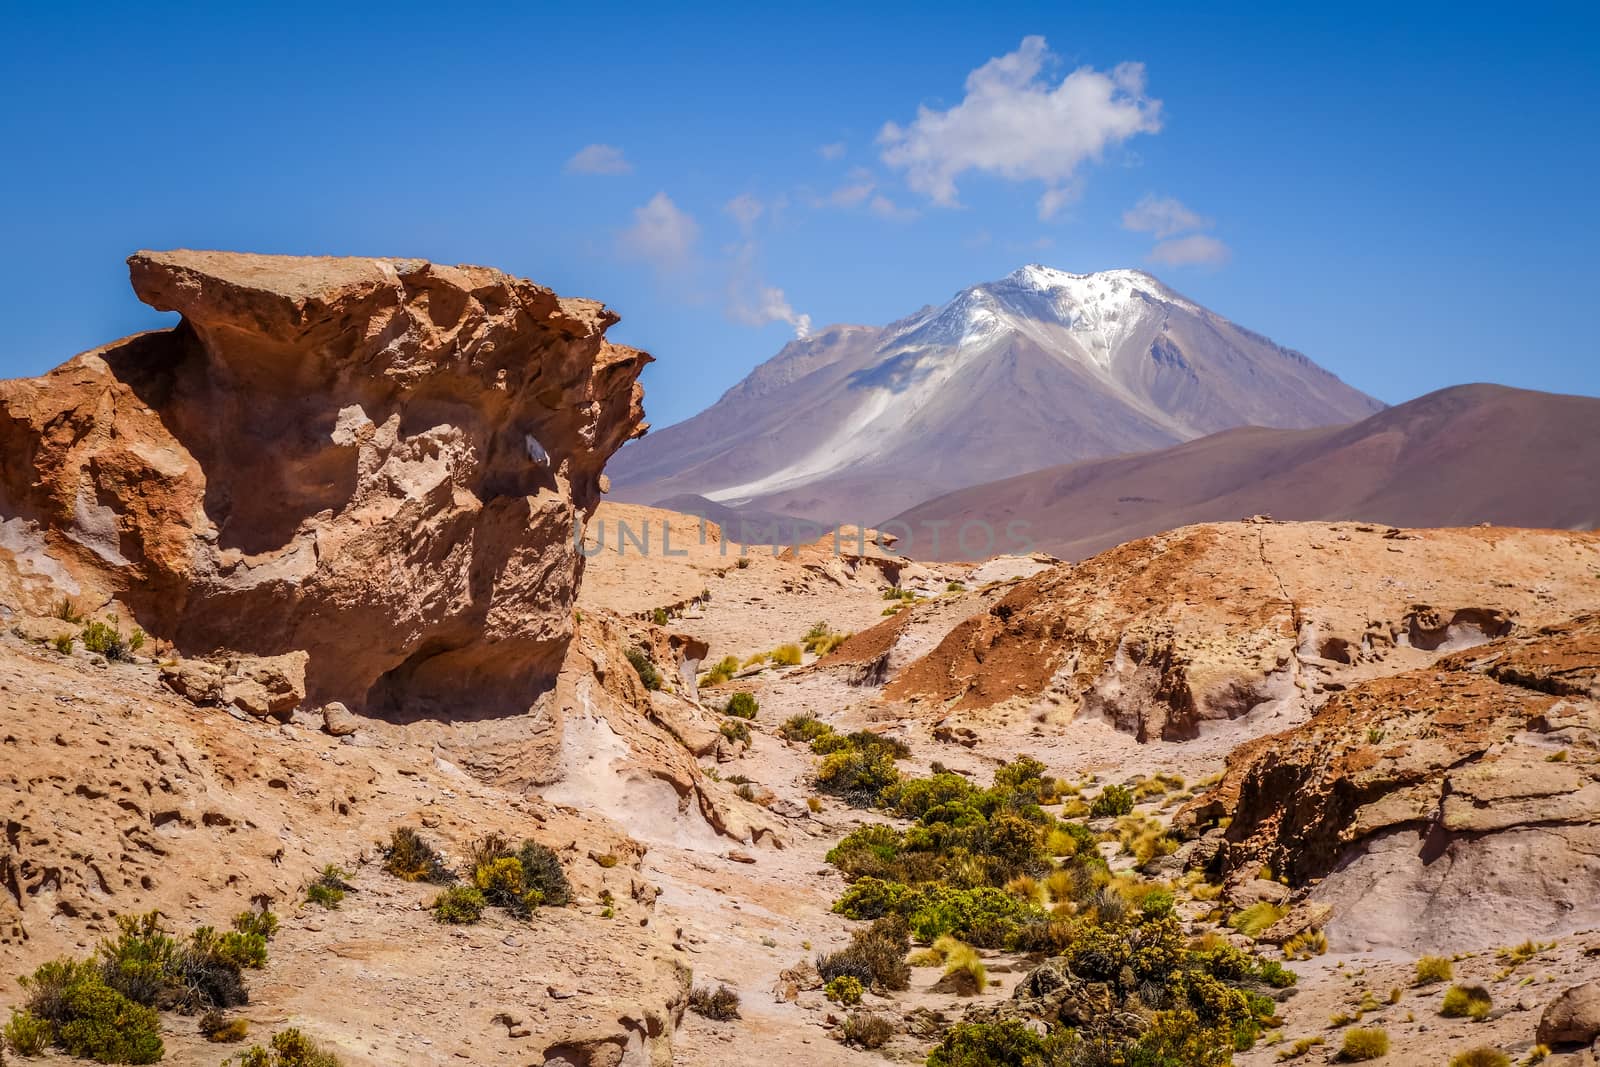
(1457, 457)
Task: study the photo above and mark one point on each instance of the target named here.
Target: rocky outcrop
(376, 462)
(1172, 635)
(1436, 809)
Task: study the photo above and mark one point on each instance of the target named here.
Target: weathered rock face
(376, 461)
(1438, 808)
(1170, 635)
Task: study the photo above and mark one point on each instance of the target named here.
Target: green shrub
(872, 898)
(1364, 1043)
(737, 731)
(845, 990)
(1482, 1056)
(1467, 1002)
(107, 1027)
(107, 640)
(742, 705)
(721, 1003)
(289, 1048)
(459, 905)
(1113, 800)
(142, 962)
(1432, 969)
(66, 609)
(858, 775)
(257, 921)
(659, 616)
(866, 1030)
(63, 643)
(805, 728)
(648, 675)
(329, 887)
(27, 1034)
(542, 871)
(47, 987)
(409, 857)
(1007, 1043)
(1275, 975)
(983, 916)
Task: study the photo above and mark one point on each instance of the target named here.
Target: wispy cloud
(832, 151)
(599, 159)
(746, 209)
(662, 235)
(1198, 249)
(1016, 124)
(1163, 216)
(753, 302)
(885, 208)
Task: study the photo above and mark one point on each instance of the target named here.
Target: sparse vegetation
(875, 957)
(105, 1008)
(866, 1030)
(63, 644)
(105, 639)
(1300, 1048)
(219, 1029)
(1467, 1002)
(1482, 1056)
(845, 990)
(1432, 969)
(642, 665)
(741, 706)
(66, 609)
(1364, 1043)
(1113, 800)
(1254, 920)
(459, 905)
(329, 887)
(516, 879)
(1304, 946)
(27, 1034)
(786, 656)
(725, 668)
(735, 730)
(720, 1004)
(412, 859)
(288, 1048)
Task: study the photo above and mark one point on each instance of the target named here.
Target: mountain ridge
(1443, 459)
(855, 423)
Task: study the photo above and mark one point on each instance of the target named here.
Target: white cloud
(752, 302)
(885, 208)
(1197, 249)
(745, 209)
(851, 194)
(599, 159)
(1053, 200)
(661, 234)
(1015, 124)
(1163, 216)
(832, 151)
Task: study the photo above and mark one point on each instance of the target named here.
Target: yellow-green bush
(1364, 1043)
(1466, 1002)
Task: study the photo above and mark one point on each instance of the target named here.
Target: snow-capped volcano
(1038, 368)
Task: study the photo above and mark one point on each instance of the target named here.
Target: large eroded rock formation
(1431, 806)
(376, 461)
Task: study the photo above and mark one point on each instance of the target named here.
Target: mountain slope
(1460, 456)
(1039, 368)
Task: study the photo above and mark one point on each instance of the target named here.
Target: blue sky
(1409, 199)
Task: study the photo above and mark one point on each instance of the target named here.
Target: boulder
(1573, 1018)
(338, 720)
(1257, 891)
